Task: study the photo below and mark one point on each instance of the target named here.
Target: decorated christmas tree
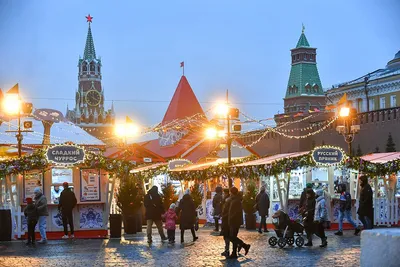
(249, 198)
(168, 195)
(196, 194)
(390, 145)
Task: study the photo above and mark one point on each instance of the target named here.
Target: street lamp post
(228, 113)
(349, 127)
(13, 105)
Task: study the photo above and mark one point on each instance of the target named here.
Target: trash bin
(5, 225)
(115, 225)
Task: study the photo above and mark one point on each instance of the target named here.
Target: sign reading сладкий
(325, 155)
(65, 154)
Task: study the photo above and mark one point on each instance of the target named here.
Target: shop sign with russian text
(65, 154)
(326, 155)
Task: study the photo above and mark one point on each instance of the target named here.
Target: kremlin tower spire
(90, 52)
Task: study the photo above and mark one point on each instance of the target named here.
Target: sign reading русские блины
(327, 155)
(65, 154)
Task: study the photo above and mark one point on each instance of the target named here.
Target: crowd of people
(36, 212)
(315, 208)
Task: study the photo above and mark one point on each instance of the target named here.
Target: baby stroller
(287, 231)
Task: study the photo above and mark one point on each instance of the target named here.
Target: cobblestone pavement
(134, 251)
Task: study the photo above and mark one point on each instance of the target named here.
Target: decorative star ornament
(89, 18)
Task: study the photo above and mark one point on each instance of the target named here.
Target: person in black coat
(365, 209)
(188, 215)
(66, 204)
(235, 220)
(217, 206)
(308, 215)
(303, 197)
(225, 221)
(154, 210)
(262, 205)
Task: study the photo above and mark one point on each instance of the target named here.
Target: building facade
(89, 112)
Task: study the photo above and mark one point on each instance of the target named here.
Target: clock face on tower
(93, 98)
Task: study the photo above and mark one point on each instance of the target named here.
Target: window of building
(393, 103)
(359, 105)
(371, 104)
(382, 102)
(58, 177)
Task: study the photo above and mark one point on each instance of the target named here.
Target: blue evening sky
(243, 46)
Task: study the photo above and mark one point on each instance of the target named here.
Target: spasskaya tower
(89, 112)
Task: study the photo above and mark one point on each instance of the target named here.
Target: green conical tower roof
(90, 52)
(302, 41)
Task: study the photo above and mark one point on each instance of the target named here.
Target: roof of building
(60, 132)
(302, 75)
(184, 103)
(303, 42)
(90, 52)
(391, 69)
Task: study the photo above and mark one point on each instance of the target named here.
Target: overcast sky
(243, 46)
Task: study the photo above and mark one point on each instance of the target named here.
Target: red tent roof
(184, 103)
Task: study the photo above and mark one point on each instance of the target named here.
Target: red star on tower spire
(89, 18)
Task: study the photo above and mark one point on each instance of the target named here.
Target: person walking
(217, 206)
(345, 210)
(31, 219)
(67, 203)
(154, 209)
(235, 221)
(308, 215)
(320, 217)
(42, 213)
(365, 208)
(170, 222)
(225, 222)
(262, 206)
(187, 215)
(328, 203)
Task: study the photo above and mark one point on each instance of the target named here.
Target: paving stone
(134, 251)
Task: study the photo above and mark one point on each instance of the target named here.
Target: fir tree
(249, 198)
(168, 195)
(376, 150)
(129, 197)
(359, 152)
(390, 145)
(196, 194)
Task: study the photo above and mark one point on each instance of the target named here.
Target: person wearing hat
(262, 206)
(31, 219)
(66, 205)
(42, 213)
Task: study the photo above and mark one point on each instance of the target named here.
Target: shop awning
(149, 167)
(202, 166)
(271, 159)
(381, 157)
